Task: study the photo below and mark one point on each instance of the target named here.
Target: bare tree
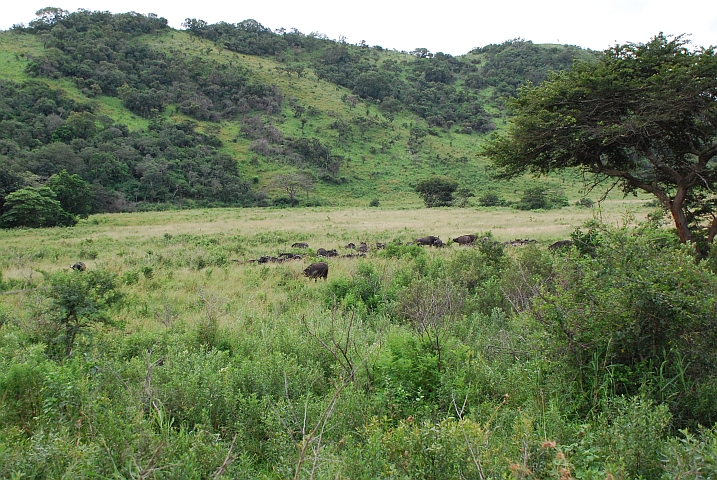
(431, 306)
(292, 184)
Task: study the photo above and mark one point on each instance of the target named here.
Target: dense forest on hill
(183, 153)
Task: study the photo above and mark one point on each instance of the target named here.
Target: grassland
(211, 357)
(320, 226)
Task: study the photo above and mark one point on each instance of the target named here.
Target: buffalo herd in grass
(321, 269)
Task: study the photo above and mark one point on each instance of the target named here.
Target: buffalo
(322, 252)
(429, 240)
(351, 245)
(290, 256)
(300, 245)
(560, 244)
(317, 270)
(79, 266)
(465, 239)
(363, 248)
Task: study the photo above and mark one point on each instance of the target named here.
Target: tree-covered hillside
(150, 117)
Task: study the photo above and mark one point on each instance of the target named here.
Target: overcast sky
(453, 27)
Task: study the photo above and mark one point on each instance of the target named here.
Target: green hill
(235, 114)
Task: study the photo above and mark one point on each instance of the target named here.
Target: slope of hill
(235, 114)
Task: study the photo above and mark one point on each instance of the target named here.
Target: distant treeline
(43, 131)
(442, 89)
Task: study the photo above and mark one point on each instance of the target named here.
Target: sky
(454, 27)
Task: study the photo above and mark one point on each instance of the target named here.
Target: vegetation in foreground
(167, 359)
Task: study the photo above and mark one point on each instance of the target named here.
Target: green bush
(491, 199)
(628, 318)
(437, 191)
(77, 300)
(363, 290)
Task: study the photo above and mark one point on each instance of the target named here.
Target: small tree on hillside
(292, 184)
(437, 191)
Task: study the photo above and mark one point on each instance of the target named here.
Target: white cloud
(451, 27)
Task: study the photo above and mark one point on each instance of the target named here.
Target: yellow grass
(324, 224)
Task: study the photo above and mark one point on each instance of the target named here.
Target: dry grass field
(323, 225)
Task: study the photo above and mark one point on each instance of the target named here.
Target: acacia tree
(643, 117)
(292, 183)
(437, 191)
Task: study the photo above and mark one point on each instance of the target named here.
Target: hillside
(235, 114)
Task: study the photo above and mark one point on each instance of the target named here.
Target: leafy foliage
(34, 207)
(78, 300)
(644, 115)
(437, 191)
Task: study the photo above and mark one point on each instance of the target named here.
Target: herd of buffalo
(321, 269)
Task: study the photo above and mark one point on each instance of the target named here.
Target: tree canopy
(437, 191)
(644, 117)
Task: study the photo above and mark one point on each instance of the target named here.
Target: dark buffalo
(317, 270)
(322, 252)
(300, 245)
(380, 246)
(430, 240)
(78, 266)
(351, 245)
(290, 256)
(465, 239)
(560, 244)
(363, 248)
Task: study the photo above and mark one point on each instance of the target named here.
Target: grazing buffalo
(317, 270)
(429, 240)
(290, 256)
(300, 245)
(363, 248)
(465, 239)
(78, 266)
(322, 252)
(560, 244)
(351, 245)
(380, 246)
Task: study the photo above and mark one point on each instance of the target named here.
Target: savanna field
(174, 356)
(157, 322)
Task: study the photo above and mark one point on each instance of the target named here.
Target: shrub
(77, 301)
(536, 198)
(585, 202)
(491, 199)
(34, 207)
(628, 318)
(437, 191)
